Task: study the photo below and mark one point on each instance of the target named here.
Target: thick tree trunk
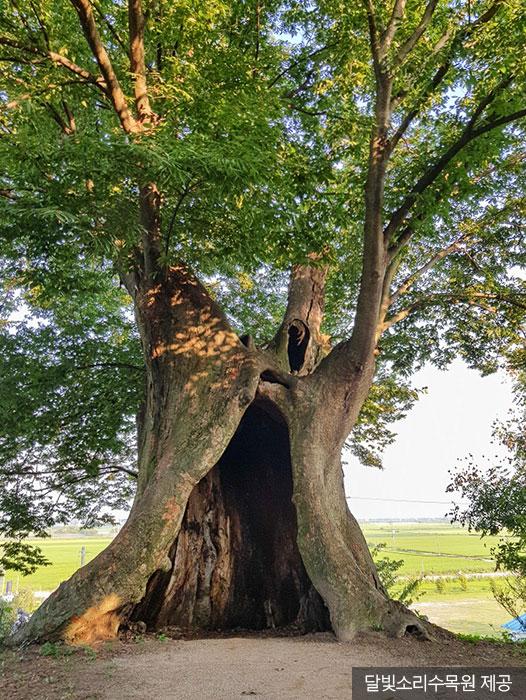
(240, 518)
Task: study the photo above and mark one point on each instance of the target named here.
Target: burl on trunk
(240, 518)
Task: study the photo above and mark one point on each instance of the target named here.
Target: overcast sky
(452, 420)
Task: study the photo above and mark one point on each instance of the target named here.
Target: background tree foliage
(495, 499)
(258, 142)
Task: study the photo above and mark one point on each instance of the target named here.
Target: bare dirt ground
(313, 666)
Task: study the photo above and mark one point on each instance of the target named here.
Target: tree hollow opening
(236, 563)
(298, 342)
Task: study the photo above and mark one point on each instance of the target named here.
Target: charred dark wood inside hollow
(235, 563)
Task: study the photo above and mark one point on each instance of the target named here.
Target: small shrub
(410, 592)
(510, 593)
(462, 582)
(440, 585)
(57, 650)
(7, 619)
(388, 572)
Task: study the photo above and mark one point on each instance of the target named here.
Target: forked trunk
(240, 518)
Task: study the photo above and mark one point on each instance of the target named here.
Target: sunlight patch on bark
(97, 624)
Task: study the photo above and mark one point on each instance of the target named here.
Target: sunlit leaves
(260, 152)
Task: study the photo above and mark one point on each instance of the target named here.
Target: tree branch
(410, 44)
(501, 121)
(387, 37)
(57, 117)
(429, 177)
(439, 255)
(373, 36)
(58, 59)
(459, 40)
(110, 468)
(113, 88)
(390, 272)
(150, 215)
(137, 63)
(186, 190)
(297, 62)
(71, 126)
(112, 365)
(41, 25)
(110, 26)
(413, 113)
(445, 66)
(471, 298)
(488, 99)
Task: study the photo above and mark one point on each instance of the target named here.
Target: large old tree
(166, 166)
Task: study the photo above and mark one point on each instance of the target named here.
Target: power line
(396, 500)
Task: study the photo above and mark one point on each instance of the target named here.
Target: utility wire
(396, 500)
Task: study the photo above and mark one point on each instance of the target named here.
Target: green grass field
(64, 557)
(433, 548)
(425, 548)
(441, 549)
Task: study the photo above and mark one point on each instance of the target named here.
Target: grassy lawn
(482, 616)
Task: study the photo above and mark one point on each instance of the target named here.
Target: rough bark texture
(235, 562)
(200, 381)
(299, 344)
(240, 517)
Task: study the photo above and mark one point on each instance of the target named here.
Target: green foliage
(388, 569)
(50, 649)
(7, 618)
(16, 555)
(510, 594)
(440, 585)
(24, 600)
(496, 502)
(260, 153)
(463, 582)
(388, 401)
(72, 382)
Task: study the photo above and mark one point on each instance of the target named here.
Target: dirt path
(312, 667)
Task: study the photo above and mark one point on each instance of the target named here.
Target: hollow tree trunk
(240, 517)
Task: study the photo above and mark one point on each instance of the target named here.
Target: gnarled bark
(299, 344)
(235, 562)
(240, 518)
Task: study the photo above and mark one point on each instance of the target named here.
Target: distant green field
(440, 549)
(422, 546)
(64, 555)
(433, 548)
(426, 548)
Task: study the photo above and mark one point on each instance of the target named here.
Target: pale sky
(452, 420)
